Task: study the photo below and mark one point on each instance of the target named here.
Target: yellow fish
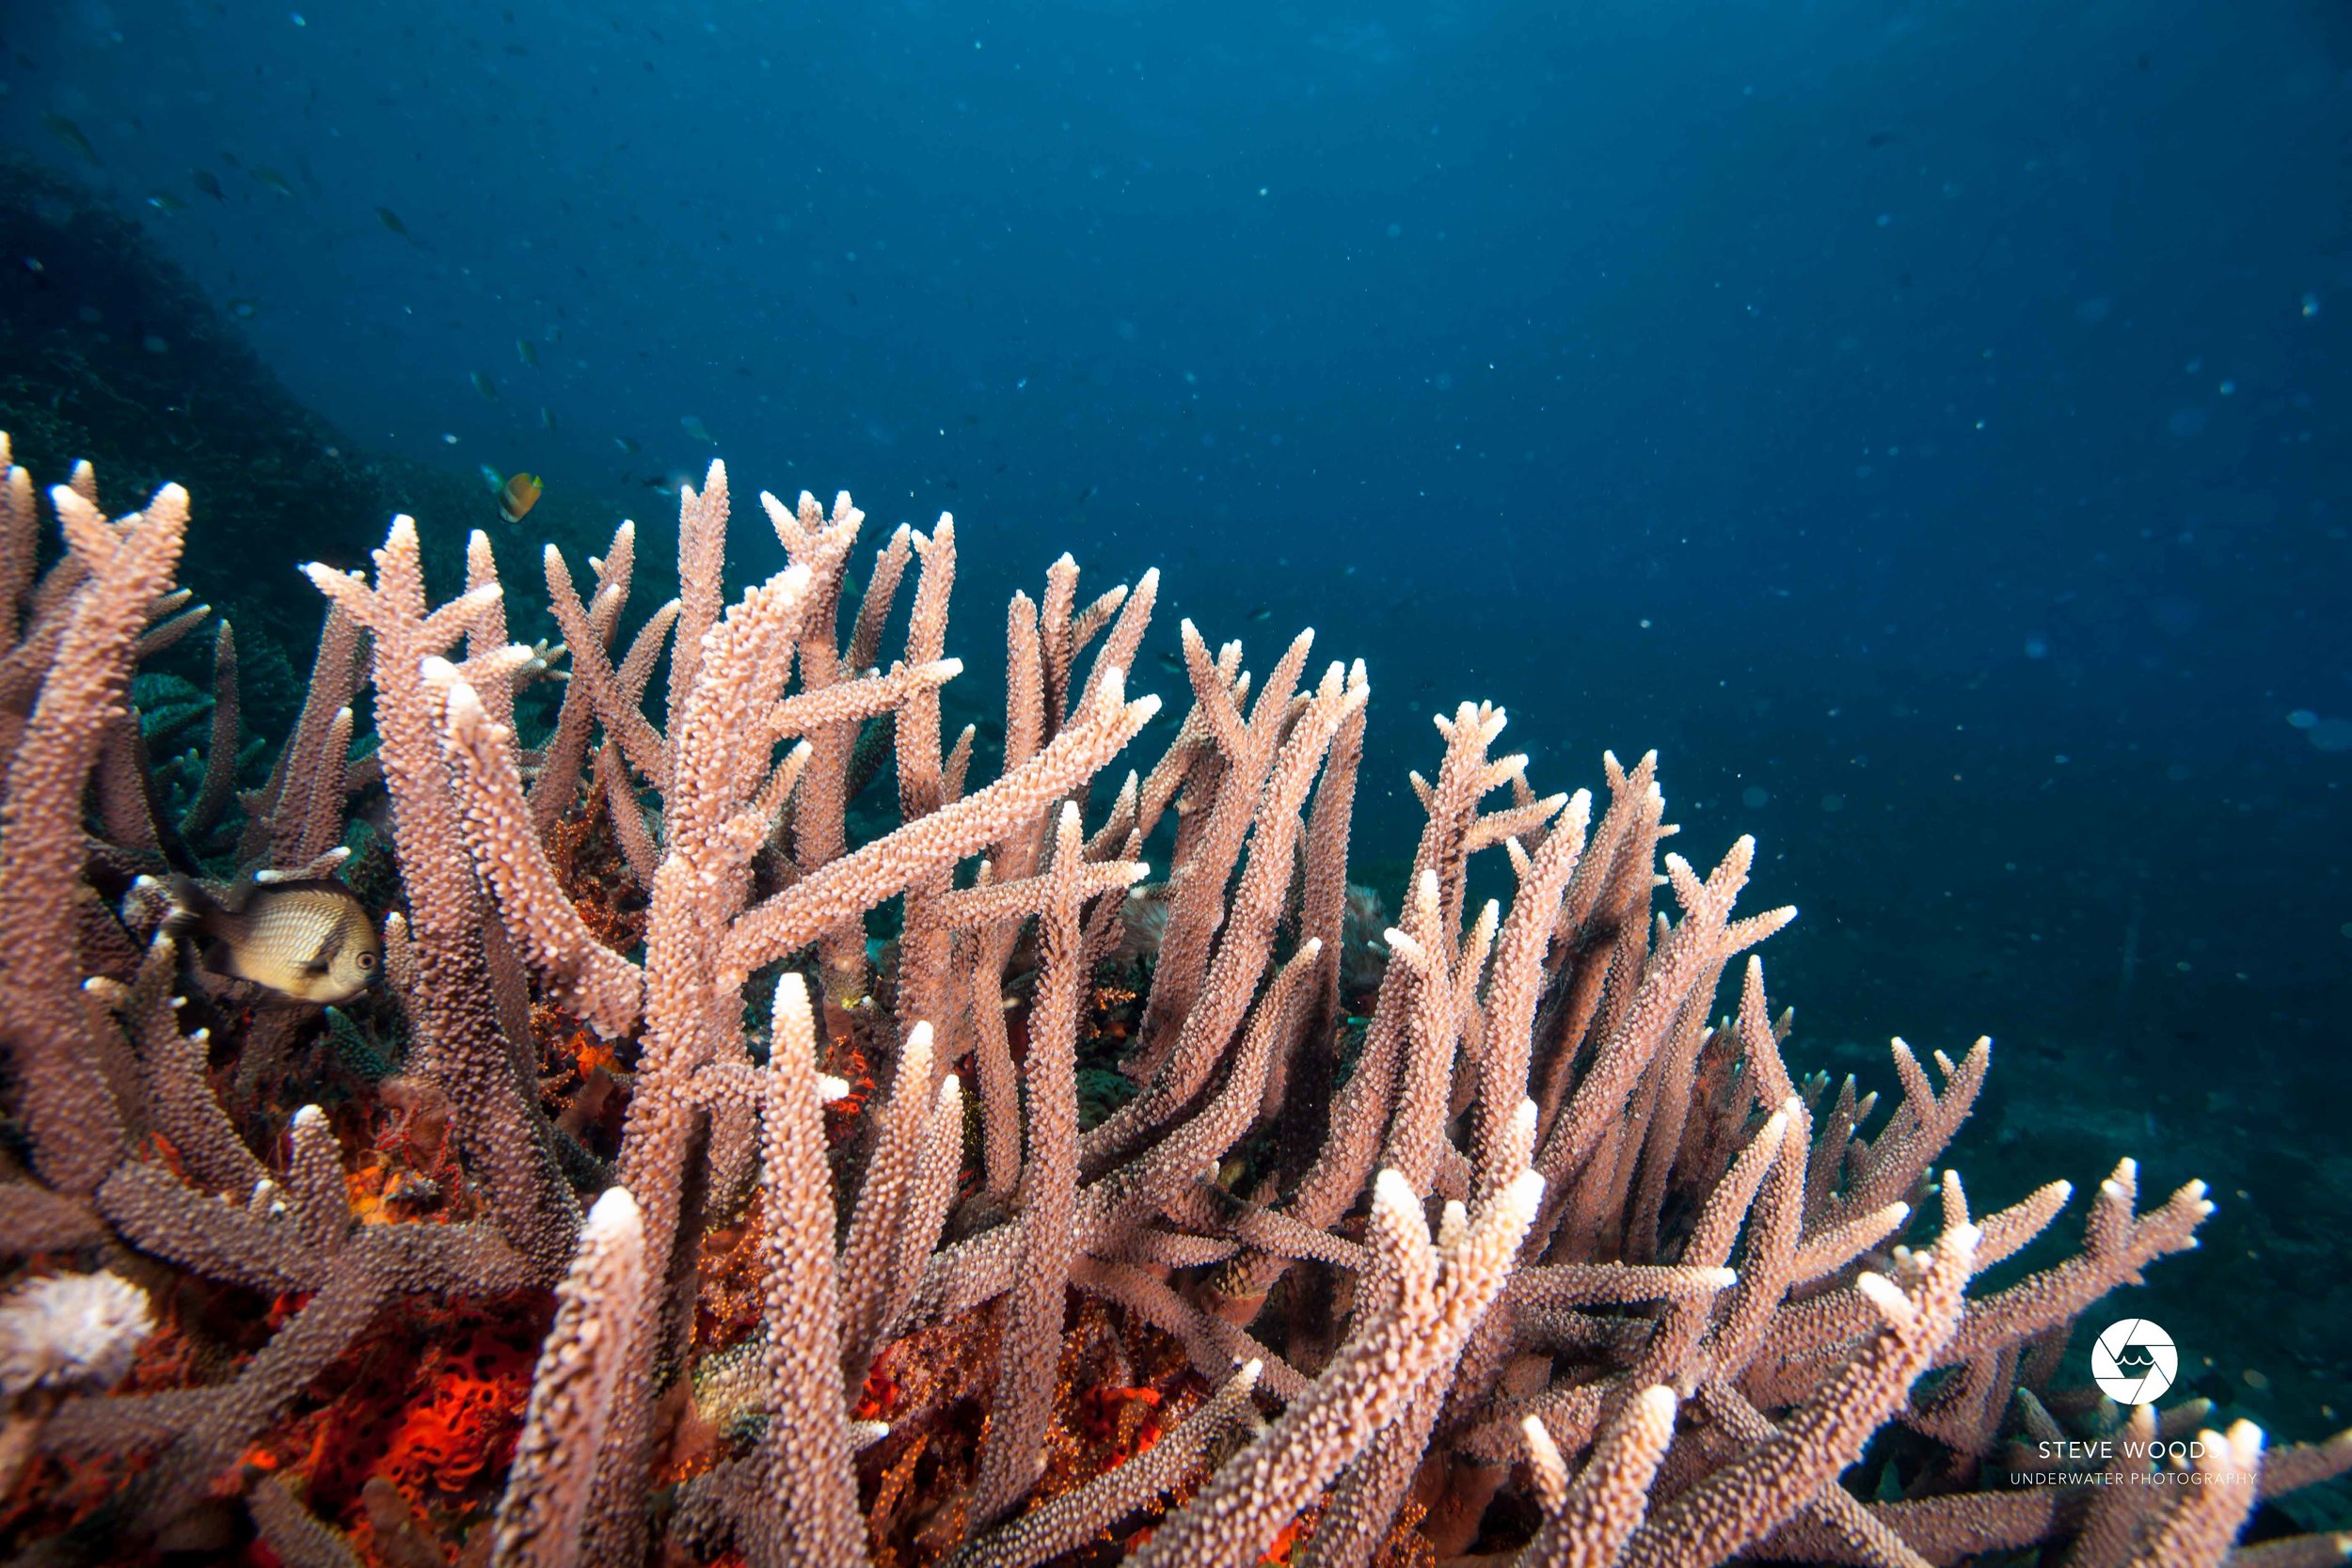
(519, 495)
(308, 939)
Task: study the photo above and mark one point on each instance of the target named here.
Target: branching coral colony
(647, 1215)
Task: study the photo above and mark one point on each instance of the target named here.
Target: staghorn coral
(1484, 1241)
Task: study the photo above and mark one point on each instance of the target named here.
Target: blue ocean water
(1923, 423)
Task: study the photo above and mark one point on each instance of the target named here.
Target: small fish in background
(627, 445)
(163, 202)
(521, 493)
(71, 136)
(487, 386)
(390, 220)
(547, 418)
(1264, 613)
(528, 352)
(308, 939)
(205, 180)
(517, 493)
(272, 179)
(699, 431)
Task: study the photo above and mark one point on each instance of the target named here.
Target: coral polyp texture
(710, 1183)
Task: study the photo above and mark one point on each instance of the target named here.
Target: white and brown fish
(308, 939)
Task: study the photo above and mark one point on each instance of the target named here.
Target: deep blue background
(1926, 423)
